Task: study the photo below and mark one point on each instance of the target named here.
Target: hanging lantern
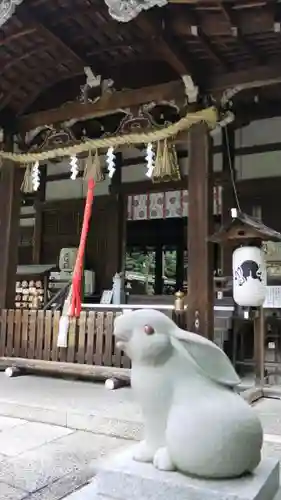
(249, 276)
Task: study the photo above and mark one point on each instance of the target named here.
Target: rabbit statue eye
(149, 330)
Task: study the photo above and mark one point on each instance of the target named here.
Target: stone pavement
(45, 449)
(53, 431)
(74, 404)
(46, 462)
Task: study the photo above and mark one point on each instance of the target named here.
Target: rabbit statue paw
(194, 421)
(162, 460)
(144, 453)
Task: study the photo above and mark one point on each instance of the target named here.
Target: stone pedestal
(122, 478)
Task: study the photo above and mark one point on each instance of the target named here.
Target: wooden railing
(33, 335)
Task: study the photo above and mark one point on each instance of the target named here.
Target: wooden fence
(33, 335)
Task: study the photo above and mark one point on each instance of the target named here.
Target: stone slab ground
(45, 462)
(53, 432)
(73, 404)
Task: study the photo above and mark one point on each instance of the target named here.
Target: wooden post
(37, 235)
(259, 352)
(10, 201)
(228, 198)
(200, 225)
(116, 182)
(122, 230)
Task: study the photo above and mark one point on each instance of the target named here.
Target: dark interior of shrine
(156, 241)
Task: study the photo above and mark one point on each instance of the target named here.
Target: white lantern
(249, 276)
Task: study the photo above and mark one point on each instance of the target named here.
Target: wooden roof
(244, 227)
(46, 44)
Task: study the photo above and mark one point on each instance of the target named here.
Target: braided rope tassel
(93, 168)
(27, 184)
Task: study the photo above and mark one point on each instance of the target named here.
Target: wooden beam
(232, 19)
(34, 22)
(16, 35)
(16, 60)
(57, 38)
(95, 372)
(179, 24)
(214, 23)
(111, 103)
(212, 51)
(166, 49)
(251, 111)
(48, 82)
(30, 73)
(134, 188)
(108, 104)
(256, 17)
(200, 221)
(182, 22)
(258, 76)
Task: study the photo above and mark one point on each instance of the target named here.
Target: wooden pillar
(259, 350)
(10, 202)
(228, 198)
(116, 183)
(200, 226)
(38, 227)
(159, 269)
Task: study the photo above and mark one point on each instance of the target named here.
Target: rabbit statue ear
(206, 355)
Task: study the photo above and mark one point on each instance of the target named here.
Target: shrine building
(175, 112)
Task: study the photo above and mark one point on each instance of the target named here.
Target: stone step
(121, 478)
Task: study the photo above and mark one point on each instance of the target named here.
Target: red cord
(75, 307)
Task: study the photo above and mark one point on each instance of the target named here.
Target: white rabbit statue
(194, 420)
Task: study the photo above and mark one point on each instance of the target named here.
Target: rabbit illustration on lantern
(194, 420)
(247, 269)
(249, 276)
